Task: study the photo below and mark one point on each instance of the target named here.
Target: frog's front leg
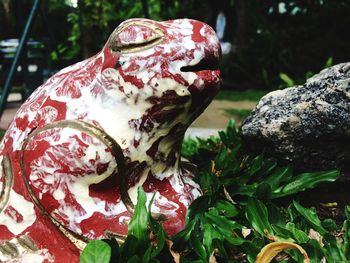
(73, 172)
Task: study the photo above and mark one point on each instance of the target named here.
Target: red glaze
(83, 142)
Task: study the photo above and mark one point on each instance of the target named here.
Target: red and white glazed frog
(81, 145)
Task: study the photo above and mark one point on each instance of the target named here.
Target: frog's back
(43, 107)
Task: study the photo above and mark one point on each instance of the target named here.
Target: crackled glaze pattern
(83, 142)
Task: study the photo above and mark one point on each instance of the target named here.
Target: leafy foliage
(239, 114)
(239, 213)
(239, 95)
(277, 36)
(92, 21)
(268, 37)
(145, 243)
(289, 82)
(96, 251)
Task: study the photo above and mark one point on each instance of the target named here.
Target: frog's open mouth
(207, 63)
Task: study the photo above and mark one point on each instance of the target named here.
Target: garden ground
(219, 112)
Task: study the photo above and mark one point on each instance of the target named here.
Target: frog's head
(171, 64)
(162, 76)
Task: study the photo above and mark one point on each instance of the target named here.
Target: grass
(233, 95)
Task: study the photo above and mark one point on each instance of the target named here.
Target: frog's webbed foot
(73, 172)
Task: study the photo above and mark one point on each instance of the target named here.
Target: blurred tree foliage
(269, 37)
(290, 36)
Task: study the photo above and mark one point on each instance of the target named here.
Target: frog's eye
(135, 37)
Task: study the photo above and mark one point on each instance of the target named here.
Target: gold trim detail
(27, 242)
(9, 249)
(136, 47)
(7, 183)
(13, 249)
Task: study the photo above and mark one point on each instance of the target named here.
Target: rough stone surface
(308, 125)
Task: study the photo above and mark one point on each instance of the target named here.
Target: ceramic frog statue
(81, 145)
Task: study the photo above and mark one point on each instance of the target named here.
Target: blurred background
(268, 45)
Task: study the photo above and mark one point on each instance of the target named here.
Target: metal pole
(145, 8)
(81, 28)
(7, 86)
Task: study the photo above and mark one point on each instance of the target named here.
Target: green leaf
(218, 244)
(96, 251)
(160, 235)
(255, 165)
(147, 256)
(198, 246)
(113, 244)
(314, 251)
(263, 191)
(268, 167)
(133, 246)
(209, 182)
(305, 181)
(138, 224)
(347, 212)
(258, 241)
(346, 238)
(134, 259)
(329, 62)
(309, 74)
(310, 217)
(230, 135)
(286, 79)
(226, 208)
(221, 221)
(283, 234)
(189, 148)
(231, 237)
(279, 176)
(333, 249)
(329, 224)
(256, 213)
(299, 235)
(224, 226)
(276, 216)
(246, 190)
(251, 250)
(293, 214)
(181, 238)
(198, 207)
(295, 255)
(209, 234)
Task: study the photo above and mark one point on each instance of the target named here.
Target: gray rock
(308, 125)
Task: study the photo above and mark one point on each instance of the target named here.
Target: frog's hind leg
(73, 172)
